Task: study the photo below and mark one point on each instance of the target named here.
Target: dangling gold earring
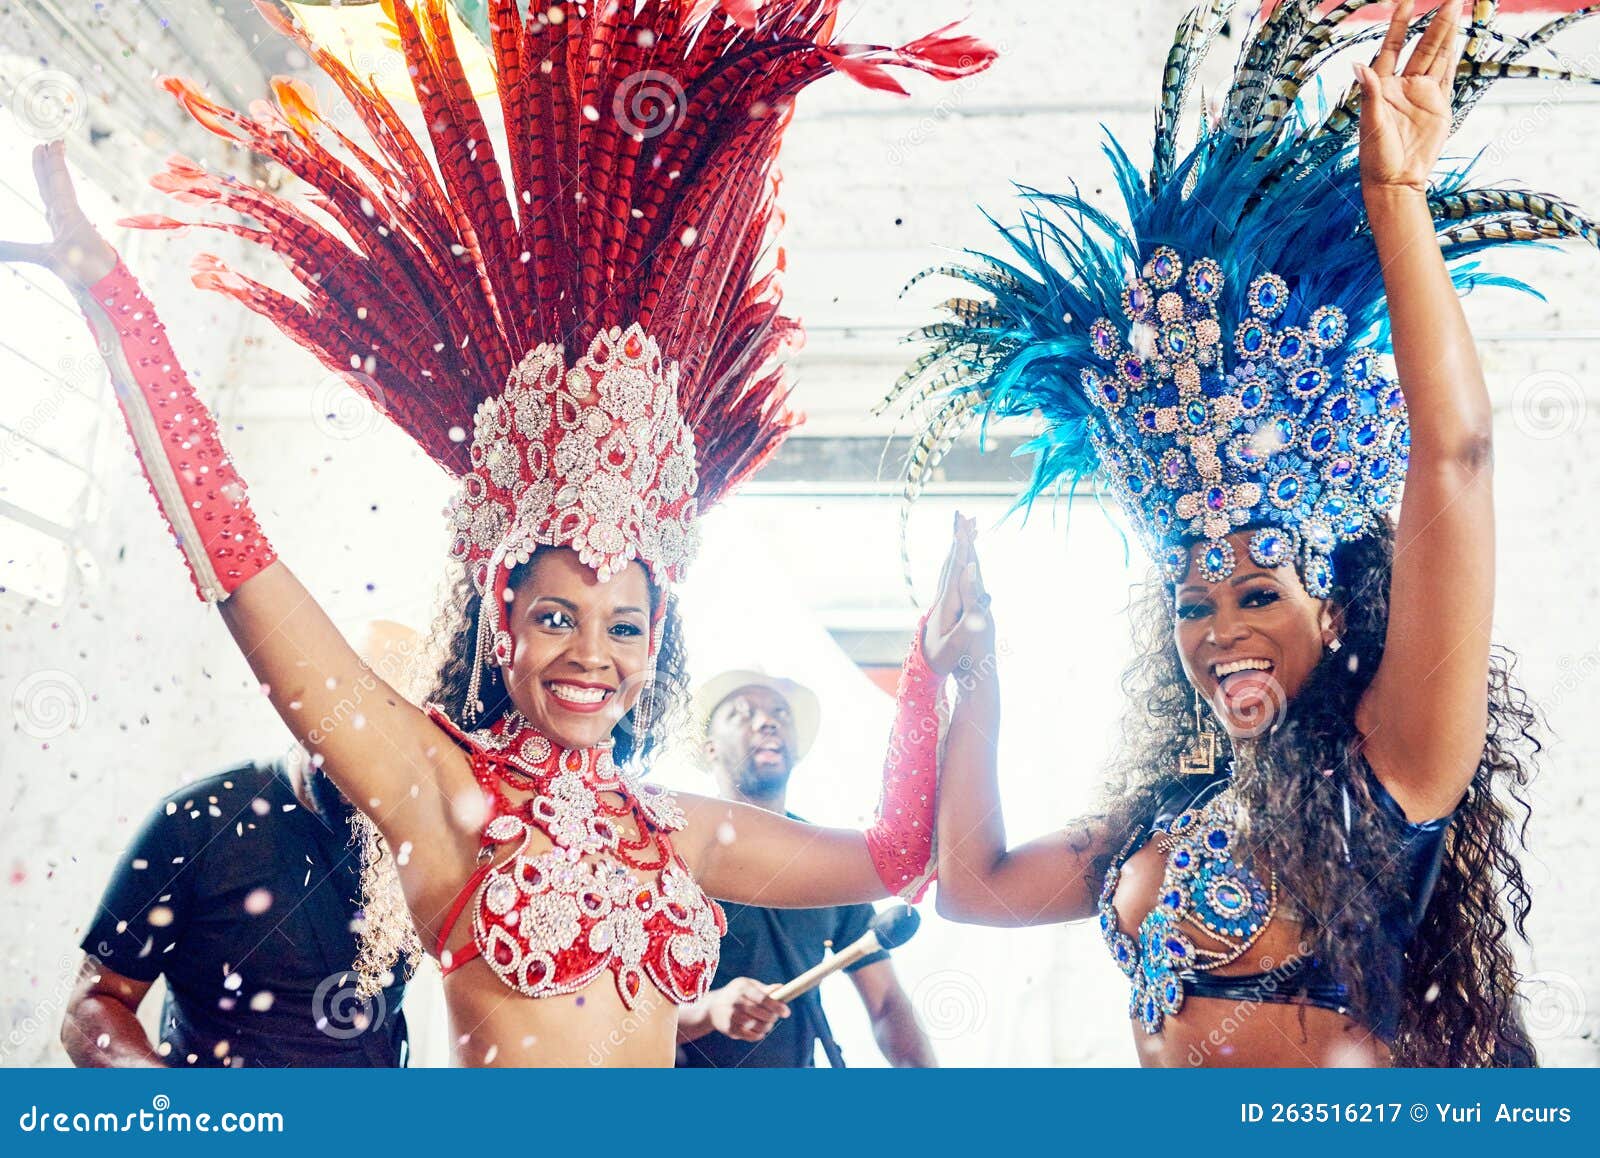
(1200, 758)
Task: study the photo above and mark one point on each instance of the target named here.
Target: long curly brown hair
(1458, 1003)
(388, 935)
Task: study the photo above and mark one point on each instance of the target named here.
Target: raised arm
(1426, 712)
(390, 761)
(981, 881)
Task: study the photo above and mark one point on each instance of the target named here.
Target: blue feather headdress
(1218, 362)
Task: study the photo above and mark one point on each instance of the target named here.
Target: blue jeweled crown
(1216, 359)
(1294, 430)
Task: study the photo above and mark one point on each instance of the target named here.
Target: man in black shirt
(242, 890)
(756, 730)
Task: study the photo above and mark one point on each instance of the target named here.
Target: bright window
(52, 395)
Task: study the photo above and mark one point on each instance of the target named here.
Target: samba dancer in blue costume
(1307, 856)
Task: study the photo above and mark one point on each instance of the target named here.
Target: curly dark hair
(1458, 1003)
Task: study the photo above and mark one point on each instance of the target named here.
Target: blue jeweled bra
(1202, 885)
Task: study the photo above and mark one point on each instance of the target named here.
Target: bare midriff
(493, 1025)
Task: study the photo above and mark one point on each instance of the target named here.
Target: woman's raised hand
(960, 632)
(1405, 116)
(76, 253)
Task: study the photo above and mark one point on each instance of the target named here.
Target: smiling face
(578, 647)
(1249, 643)
(751, 742)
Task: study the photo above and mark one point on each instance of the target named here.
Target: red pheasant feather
(641, 140)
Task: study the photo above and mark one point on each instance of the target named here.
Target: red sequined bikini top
(550, 922)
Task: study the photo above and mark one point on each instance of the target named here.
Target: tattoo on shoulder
(1080, 833)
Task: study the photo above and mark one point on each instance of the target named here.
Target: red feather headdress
(630, 229)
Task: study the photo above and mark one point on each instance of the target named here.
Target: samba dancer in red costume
(586, 343)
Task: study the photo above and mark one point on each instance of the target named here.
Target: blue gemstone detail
(1269, 295)
(1205, 279)
(1358, 368)
(1309, 382)
(1318, 577)
(1328, 323)
(1269, 547)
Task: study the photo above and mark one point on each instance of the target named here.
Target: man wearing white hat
(755, 728)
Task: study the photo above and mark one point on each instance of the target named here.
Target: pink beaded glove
(190, 474)
(901, 840)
